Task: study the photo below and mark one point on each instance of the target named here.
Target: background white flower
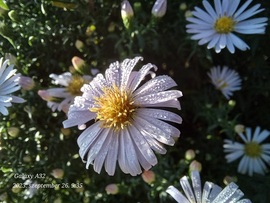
(211, 192)
(8, 84)
(216, 26)
(226, 80)
(125, 129)
(61, 98)
(254, 155)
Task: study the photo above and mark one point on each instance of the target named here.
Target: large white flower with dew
(226, 80)
(129, 126)
(62, 97)
(8, 84)
(218, 26)
(254, 155)
(210, 193)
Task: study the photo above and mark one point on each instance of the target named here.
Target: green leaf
(3, 5)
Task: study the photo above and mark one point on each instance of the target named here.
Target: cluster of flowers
(126, 130)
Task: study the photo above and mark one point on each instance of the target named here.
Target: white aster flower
(8, 84)
(61, 98)
(125, 129)
(211, 192)
(254, 154)
(226, 80)
(217, 26)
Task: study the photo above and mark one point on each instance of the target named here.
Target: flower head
(61, 98)
(9, 83)
(225, 80)
(211, 192)
(217, 26)
(254, 154)
(159, 8)
(125, 129)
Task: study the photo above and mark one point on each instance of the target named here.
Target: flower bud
(26, 83)
(159, 8)
(112, 189)
(27, 159)
(183, 6)
(148, 176)
(126, 13)
(239, 128)
(79, 45)
(190, 154)
(13, 131)
(15, 189)
(195, 166)
(228, 179)
(79, 64)
(57, 173)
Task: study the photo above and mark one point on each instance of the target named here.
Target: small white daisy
(125, 129)
(217, 26)
(254, 155)
(61, 98)
(8, 84)
(211, 192)
(226, 80)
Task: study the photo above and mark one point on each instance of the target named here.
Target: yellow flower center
(74, 86)
(115, 108)
(224, 25)
(253, 149)
(222, 84)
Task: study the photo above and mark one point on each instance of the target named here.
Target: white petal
(176, 195)
(77, 117)
(158, 97)
(160, 114)
(196, 183)
(157, 84)
(98, 162)
(141, 75)
(126, 68)
(143, 146)
(111, 159)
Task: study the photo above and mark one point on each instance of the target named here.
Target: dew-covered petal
(111, 158)
(226, 193)
(143, 146)
(126, 69)
(157, 97)
(140, 75)
(187, 189)
(176, 195)
(128, 160)
(160, 114)
(155, 85)
(99, 161)
(196, 183)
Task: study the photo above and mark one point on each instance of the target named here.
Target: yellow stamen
(224, 25)
(74, 86)
(221, 84)
(115, 108)
(253, 149)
